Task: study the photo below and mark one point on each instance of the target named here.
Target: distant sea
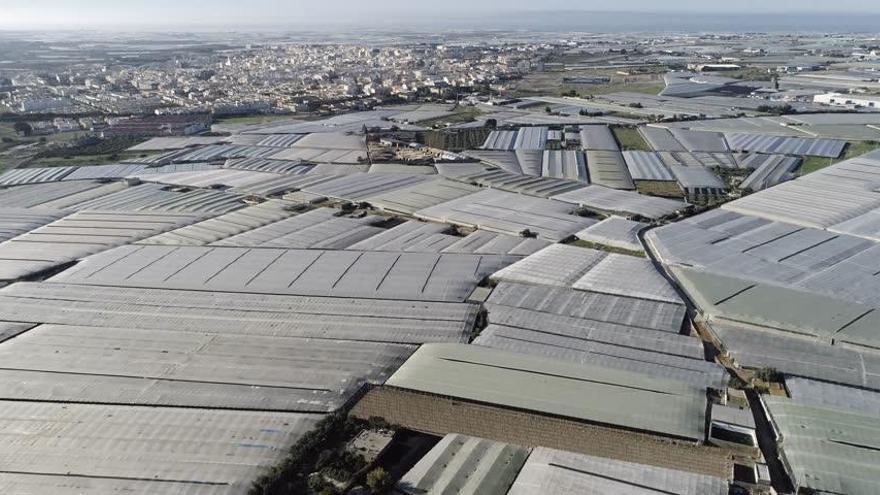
(610, 22)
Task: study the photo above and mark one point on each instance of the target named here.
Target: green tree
(23, 128)
(379, 480)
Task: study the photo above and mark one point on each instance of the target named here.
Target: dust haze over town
(410, 248)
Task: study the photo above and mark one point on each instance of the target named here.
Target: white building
(848, 101)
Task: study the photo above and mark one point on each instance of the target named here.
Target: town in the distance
(469, 262)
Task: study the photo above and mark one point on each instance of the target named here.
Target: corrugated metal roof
(80, 234)
(465, 465)
(608, 168)
(29, 196)
(656, 316)
(833, 195)
(607, 200)
(531, 138)
(421, 195)
(796, 356)
(554, 471)
(322, 228)
(16, 221)
(380, 275)
(696, 179)
(509, 213)
(157, 197)
(615, 232)
(770, 170)
(267, 165)
(208, 369)
(826, 449)
(335, 318)
(501, 141)
(660, 139)
(20, 176)
(644, 165)
(579, 391)
(700, 140)
(824, 394)
(571, 165)
(598, 137)
(828, 148)
(145, 447)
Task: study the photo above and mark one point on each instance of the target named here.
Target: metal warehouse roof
(567, 164)
(556, 471)
(206, 369)
(644, 165)
(827, 449)
(211, 178)
(315, 155)
(78, 235)
(727, 243)
(578, 391)
(558, 264)
(280, 140)
(779, 309)
(602, 343)
(531, 138)
(660, 139)
(530, 161)
(696, 178)
(542, 187)
(828, 148)
(823, 394)
(226, 225)
(465, 465)
(268, 165)
(145, 447)
(30, 196)
(336, 318)
(615, 232)
(598, 137)
(796, 356)
(587, 269)
(698, 159)
(509, 213)
(321, 228)
(629, 203)
(823, 199)
(413, 236)
(770, 170)
(500, 140)
(628, 276)
(381, 275)
(421, 195)
(505, 160)
(608, 168)
(19, 176)
(113, 171)
(359, 187)
(157, 197)
(16, 221)
(225, 152)
(700, 140)
(174, 143)
(655, 316)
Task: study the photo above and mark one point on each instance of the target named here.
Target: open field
(630, 139)
(463, 114)
(551, 83)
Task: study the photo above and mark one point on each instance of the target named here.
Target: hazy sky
(27, 14)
